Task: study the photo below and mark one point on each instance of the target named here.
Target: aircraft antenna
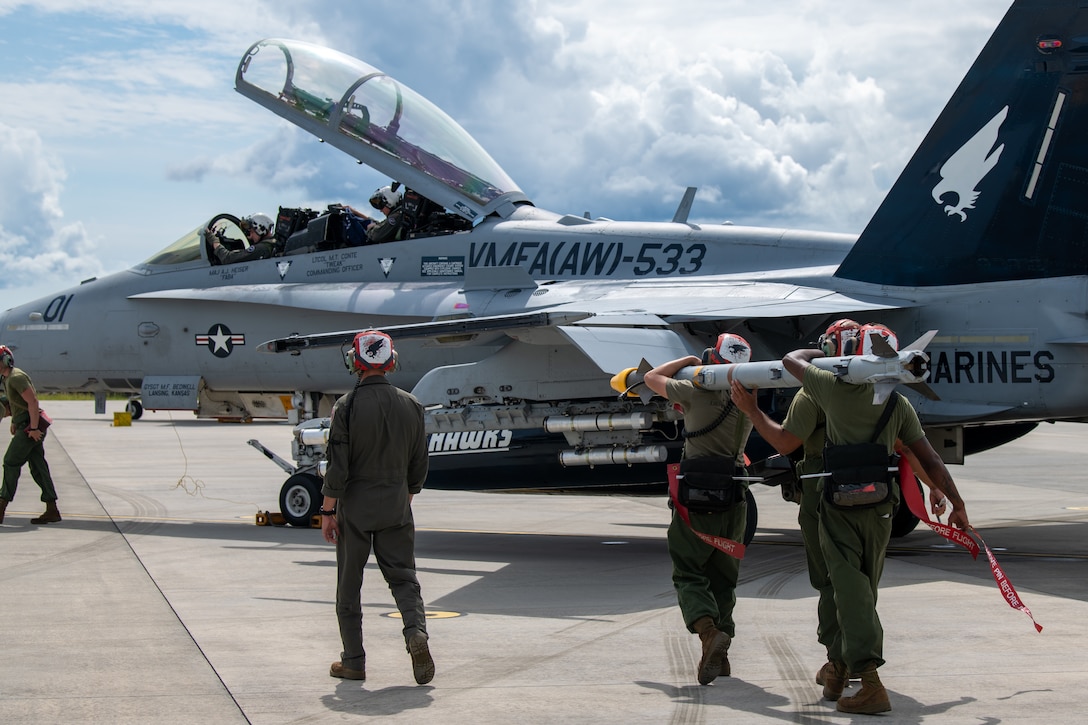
(682, 211)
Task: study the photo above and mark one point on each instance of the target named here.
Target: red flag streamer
(912, 494)
(1005, 585)
(735, 549)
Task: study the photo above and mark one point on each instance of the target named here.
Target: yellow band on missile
(695, 375)
(619, 381)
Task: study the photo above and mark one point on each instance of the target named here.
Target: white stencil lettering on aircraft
(965, 169)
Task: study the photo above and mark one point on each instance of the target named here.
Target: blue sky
(120, 129)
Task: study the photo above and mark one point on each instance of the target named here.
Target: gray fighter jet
(510, 320)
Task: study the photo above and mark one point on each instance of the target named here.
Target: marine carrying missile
(885, 368)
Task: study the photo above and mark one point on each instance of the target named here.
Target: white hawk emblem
(965, 169)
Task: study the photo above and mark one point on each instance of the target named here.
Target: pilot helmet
(842, 337)
(372, 350)
(729, 349)
(387, 196)
(875, 328)
(260, 223)
(7, 360)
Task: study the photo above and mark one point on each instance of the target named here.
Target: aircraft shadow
(532, 574)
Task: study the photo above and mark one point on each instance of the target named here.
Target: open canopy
(379, 121)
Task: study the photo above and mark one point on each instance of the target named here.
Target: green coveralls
(705, 578)
(23, 448)
(854, 541)
(806, 421)
(377, 456)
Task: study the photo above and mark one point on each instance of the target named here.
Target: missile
(885, 368)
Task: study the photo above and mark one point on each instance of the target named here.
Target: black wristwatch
(323, 512)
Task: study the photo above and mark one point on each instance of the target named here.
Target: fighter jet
(511, 323)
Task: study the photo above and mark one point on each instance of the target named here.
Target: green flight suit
(705, 578)
(377, 456)
(854, 541)
(23, 449)
(806, 421)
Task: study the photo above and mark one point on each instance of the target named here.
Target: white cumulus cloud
(35, 241)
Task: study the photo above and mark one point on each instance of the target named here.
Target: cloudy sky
(120, 129)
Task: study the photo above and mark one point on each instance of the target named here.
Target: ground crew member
(854, 540)
(716, 432)
(804, 426)
(27, 435)
(377, 461)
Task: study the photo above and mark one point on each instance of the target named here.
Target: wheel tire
(134, 408)
(300, 499)
(904, 521)
(753, 518)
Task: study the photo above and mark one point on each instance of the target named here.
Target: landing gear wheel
(300, 499)
(753, 518)
(134, 408)
(904, 521)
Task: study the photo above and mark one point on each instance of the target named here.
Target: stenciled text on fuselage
(590, 259)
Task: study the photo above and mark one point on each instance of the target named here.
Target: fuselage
(1005, 351)
(177, 314)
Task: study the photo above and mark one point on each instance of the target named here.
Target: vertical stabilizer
(998, 190)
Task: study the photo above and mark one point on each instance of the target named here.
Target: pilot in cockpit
(407, 214)
(259, 230)
(389, 201)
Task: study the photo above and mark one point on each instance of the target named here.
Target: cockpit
(379, 121)
(297, 231)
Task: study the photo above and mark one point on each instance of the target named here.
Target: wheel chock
(275, 518)
(265, 518)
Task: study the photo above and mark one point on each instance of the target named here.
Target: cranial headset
(371, 350)
(728, 349)
(841, 338)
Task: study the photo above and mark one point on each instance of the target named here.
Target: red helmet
(373, 350)
(841, 338)
(729, 349)
(875, 328)
(6, 358)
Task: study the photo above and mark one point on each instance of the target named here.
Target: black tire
(753, 518)
(135, 408)
(904, 521)
(300, 499)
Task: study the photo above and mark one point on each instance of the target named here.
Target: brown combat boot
(3, 508)
(871, 699)
(337, 669)
(50, 516)
(834, 678)
(422, 662)
(715, 659)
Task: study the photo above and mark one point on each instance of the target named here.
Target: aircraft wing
(611, 326)
(709, 299)
(442, 328)
(622, 330)
(322, 297)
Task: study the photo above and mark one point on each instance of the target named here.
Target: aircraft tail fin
(998, 190)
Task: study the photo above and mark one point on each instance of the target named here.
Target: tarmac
(159, 600)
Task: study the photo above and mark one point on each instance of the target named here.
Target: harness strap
(735, 549)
